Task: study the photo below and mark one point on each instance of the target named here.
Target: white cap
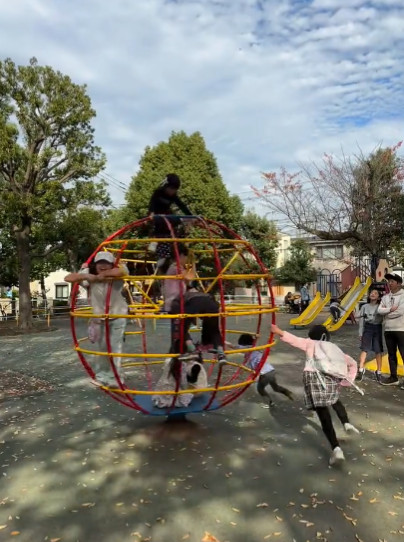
(104, 256)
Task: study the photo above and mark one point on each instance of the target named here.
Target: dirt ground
(78, 467)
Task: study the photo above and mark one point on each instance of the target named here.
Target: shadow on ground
(78, 467)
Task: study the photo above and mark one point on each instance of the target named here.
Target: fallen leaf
(209, 538)
(2, 527)
(14, 533)
(262, 505)
(372, 501)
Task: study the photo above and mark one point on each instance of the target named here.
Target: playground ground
(76, 466)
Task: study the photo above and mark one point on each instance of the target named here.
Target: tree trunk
(43, 289)
(374, 264)
(24, 272)
(72, 260)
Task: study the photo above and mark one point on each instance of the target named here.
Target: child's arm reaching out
(297, 342)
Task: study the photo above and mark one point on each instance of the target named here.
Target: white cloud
(266, 83)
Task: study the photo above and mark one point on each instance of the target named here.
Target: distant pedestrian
(304, 297)
(392, 308)
(371, 333)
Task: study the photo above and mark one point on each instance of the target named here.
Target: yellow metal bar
(134, 332)
(180, 392)
(209, 241)
(142, 363)
(171, 316)
(136, 261)
(143, 293)
(209, 250)
(243, 276)
(160, 355)
(127, 250)
(220, 275)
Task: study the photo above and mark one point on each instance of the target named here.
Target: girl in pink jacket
(321, 389)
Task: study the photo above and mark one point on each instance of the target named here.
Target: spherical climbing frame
(225, 250)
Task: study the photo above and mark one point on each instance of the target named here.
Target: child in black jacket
(161, 202)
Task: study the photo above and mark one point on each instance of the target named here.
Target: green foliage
(47, 158)
(202, 186)
(298, 268)
(263, 236)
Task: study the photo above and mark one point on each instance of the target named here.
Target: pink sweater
(308, 346)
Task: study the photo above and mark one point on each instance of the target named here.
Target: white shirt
(98, 292)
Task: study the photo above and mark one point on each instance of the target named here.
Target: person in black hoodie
(161, 203)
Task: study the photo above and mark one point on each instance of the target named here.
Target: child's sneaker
(152, 247)
(378, 377)
(349, 428)
(359, 376)
(337, 456)
(222, 360)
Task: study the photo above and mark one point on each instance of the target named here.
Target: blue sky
(267, 82)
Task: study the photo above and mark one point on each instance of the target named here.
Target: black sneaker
(359, 376)
(390, 381)
(378, 377)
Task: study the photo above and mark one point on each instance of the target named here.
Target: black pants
(324, 415)
(335, 313)
(270, 379)
(394, 340)
(304, 305)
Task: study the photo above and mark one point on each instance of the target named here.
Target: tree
(202, 189)
(298, 267)
(263, 235)
(46, 148)
(358, 200)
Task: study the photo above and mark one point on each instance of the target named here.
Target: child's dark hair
(374, 290)
(319, 333)
(334, 300)
(175, 369)
(246, 339)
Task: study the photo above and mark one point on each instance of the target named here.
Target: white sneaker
(337, 456)
(349, 428)
(152, 247)
(107, 379)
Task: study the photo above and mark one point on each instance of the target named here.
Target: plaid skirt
(315, 394)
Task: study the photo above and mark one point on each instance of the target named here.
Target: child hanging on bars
(185, 372)
(197, 302)
(267, 374)
(325, 370)
(103, 279)
(161, 203)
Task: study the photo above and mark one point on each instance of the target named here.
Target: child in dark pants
(322, 390)
(161, 203)
(196, 302)
(267, 375)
